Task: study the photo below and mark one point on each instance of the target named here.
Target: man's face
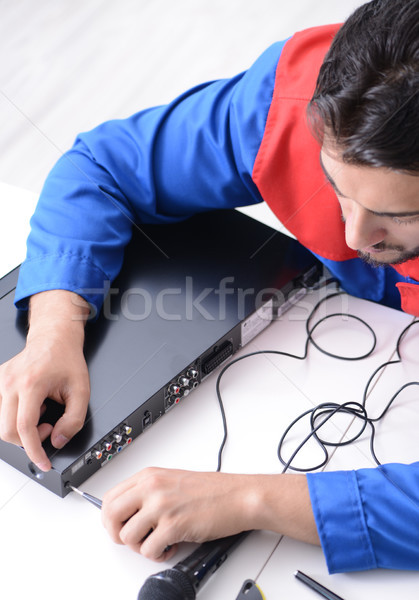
(380, 209)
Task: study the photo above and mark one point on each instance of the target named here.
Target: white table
(57, 548)
(16, 208)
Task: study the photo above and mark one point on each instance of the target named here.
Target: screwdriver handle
(93, 499)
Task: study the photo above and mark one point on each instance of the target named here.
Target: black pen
(317, 587)
(88, 497)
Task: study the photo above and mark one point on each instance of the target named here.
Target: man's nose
(363, 228)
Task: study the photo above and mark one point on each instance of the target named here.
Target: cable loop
(323, 413)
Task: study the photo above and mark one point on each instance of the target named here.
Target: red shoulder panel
(287, 169)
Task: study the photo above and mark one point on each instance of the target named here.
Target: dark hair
(367, 92)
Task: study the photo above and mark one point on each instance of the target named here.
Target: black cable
(322, 413)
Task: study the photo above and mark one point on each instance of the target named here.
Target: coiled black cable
(322, 413)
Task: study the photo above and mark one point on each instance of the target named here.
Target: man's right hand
(52, 365)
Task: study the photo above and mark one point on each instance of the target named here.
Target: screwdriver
(87, 496)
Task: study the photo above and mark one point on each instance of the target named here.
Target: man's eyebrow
(413, 213)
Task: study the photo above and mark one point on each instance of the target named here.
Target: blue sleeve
(158, 166)
(368, 518)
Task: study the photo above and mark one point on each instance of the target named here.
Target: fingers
(20, 426)
(133, 520)
(135, 531)
(131, 524)
(119, 489)
(119, 505)
(156, 546)
(149, 513)
(73, 418)
(52, 365)
(22, 404)
(44, 430)
(8, 431)
(28, 413)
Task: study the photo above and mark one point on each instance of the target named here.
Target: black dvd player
(189, 295)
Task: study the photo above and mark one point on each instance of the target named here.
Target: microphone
(182, 581)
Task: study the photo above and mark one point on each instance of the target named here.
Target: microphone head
(167, 585)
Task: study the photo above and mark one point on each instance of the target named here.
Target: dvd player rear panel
(189, 295)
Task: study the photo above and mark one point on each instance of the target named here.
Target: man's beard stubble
(403, 257)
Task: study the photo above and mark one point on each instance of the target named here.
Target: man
(345, 182)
